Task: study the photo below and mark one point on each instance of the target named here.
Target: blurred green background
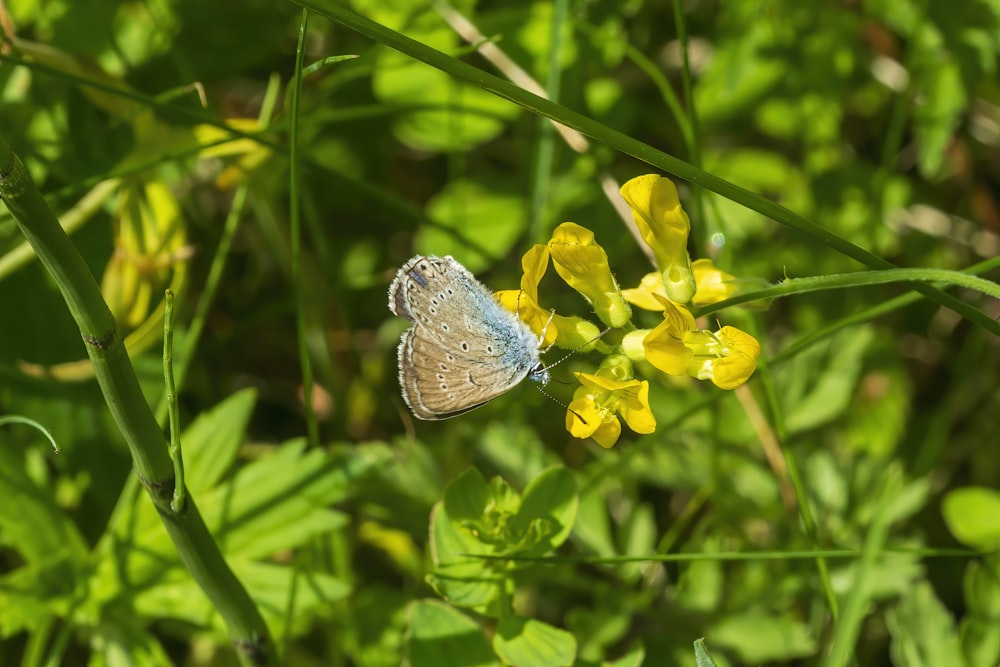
(874, 429)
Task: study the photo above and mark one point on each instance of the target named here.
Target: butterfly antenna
(557, 401)
(572, 352)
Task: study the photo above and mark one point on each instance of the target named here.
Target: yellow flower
(676, 346)
(665, 345)
(567, 332)
(714, 285)
(583, 264)
(664, 226)
(643, 295)
(602, 397)
(727, 357)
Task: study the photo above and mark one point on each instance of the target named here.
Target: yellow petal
(665, 347)
(583, 264)
(713, 285)
(534, 263)
(736, 367)
(664, 226)
(635, 409)
(521, 304)
(583, 417)
(642, 296)
(607, 433)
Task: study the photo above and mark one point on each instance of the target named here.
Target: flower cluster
(676, 346)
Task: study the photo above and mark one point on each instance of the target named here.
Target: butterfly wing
(437, 384)
(464, 349)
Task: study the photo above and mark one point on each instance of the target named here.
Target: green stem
(116, 377)
(858, 279)
(296, 233)
(177, 502)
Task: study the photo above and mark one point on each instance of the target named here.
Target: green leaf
(637, 537)
(944, 100)
(476, 585)
(440, 635)
(434, 111)
(741, 73)
(635, 657)
(814, 401)
(55, 555)
(552, 496)
(449, 543)
(30, 520)
(123, 639)
(526, 642)
(274, 504)
(973, 516)
(979, 631)
(212, 441)
(756, 637)
(593, 528)
(466, 496)
(478, 222)
(279, 502)
(274, 589)
(701, 583)
(701, 655)
(922, 630)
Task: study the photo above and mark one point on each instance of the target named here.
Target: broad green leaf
(879, 413)
(980, 642)
(440, 635)
(598, 629)
(275, 504)
(635, 657)
(637, 537)
(123, 638)
(436, 112)
(922, 630)
(593, 528)
(474, 584)
(477, 222)
(450, 544)
(551, 496)
(516, 450)
(821, 381)
(273, 587)
(526, 642)
(467, 496)
(30, 520)
(52, 556)
(760, 637)
(700, 586)
(982, 587)
(973, 516)
(210, 444)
